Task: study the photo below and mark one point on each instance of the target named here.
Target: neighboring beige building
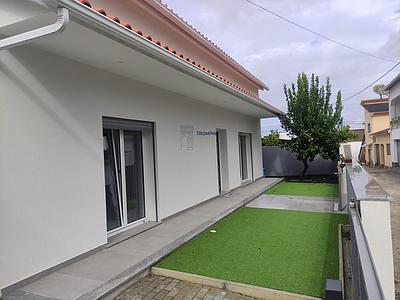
(377, 137)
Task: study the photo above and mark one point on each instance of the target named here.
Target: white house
(350, 149)
(106, 125)
(394, 112)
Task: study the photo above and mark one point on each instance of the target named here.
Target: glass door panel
(243, 157)
(133, 155)
(112, 182)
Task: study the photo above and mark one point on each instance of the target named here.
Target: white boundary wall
(377, 228)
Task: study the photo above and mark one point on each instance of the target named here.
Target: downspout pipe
(29, 36)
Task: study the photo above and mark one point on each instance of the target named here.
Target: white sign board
(186, 137)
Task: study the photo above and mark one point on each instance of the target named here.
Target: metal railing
(358, 186)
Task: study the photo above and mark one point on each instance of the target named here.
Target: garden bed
(279, 249)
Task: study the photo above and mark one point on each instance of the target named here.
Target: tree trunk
(305, 162)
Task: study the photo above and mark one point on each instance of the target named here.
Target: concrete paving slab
(104, 265)
(22, 295)
(305, 203)
(101, 273)
(144, 245)
(190, 219)
(118, 238)
(61, 286)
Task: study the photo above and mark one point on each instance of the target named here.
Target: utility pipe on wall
(26, 37)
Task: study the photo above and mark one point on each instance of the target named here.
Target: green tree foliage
(272, 139)
(317, 128)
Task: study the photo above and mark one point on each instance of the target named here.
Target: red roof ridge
(213, 44)
(138, 32)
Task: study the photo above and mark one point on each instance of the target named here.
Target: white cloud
(276, 51)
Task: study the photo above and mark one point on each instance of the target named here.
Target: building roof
(380, 132)
(381, 107)
(359, 132)
(182, 56)
(391, 84)
(376, 105)
(210, 42)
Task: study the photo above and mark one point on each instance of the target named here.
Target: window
(369, 127)
(123, 142)
(388, 149)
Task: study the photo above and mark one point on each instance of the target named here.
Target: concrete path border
(236, 287)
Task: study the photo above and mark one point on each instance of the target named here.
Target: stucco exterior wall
(380, 121)
(385, 160)
(384, 142)
(52, 185)
(395, 143)
(394, 91)
(394, 100)
(377, 121)
(367, 120)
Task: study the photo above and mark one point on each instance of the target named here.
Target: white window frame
(122, 185)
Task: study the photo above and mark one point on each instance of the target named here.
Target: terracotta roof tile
(128, 26)
(116, 19)
(101, 11)
(202, 35)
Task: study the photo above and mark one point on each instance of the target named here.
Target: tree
(379, 89)
(272, 139)
(315, 126)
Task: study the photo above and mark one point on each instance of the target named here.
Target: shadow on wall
(281, 162)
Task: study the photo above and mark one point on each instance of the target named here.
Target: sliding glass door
(124, 182)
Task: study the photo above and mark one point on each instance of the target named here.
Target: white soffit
(107, 54)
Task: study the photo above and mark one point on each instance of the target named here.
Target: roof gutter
(46, 31)
(97, 22)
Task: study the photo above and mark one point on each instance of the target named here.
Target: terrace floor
(106, 270)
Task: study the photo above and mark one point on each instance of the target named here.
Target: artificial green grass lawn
(305, 189)
(286, 250)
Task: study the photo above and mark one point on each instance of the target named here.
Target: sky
(276, 51)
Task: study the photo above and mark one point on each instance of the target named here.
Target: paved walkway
(294, 203)
(158, 287)
(98, 274)
(389, 179)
